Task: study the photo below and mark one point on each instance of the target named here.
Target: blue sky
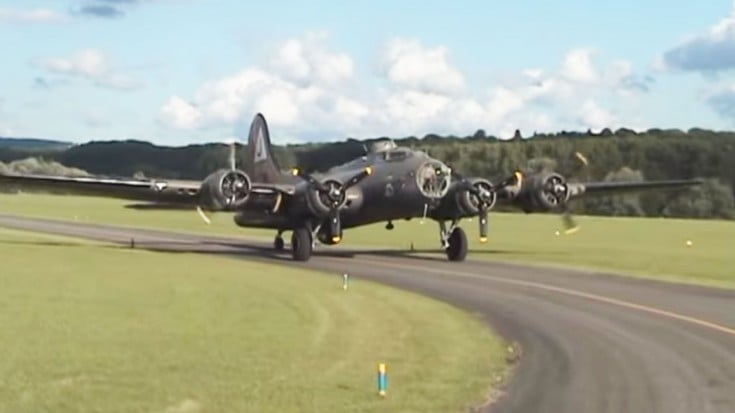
(186, 71)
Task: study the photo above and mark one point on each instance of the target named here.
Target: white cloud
(38, 15)
(302, 81)
(181, 114)
(595, 117)
(92, 65)
(306, 60)
(409, 64)
(711, 51)
(308, 91)
(577, 66)
(89, 63)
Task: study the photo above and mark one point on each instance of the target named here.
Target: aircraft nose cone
(433, 179)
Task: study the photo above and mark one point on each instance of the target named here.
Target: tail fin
(261, 166)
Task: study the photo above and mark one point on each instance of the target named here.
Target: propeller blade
(484, 197)
(358, 177)
(483, 224)
(570, 225)
(581, 158)
(203, 215)
(335, 226)
(308, 178)
(513, 180)
(233, 162)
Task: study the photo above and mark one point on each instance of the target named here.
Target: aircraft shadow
(213, 247)
(158, 205)
(43, 243)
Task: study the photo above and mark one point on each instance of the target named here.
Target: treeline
(619, 155)
(36, 166)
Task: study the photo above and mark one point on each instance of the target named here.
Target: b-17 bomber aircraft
(387, 183)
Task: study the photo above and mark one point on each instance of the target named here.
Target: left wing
(543, 192)
(578, 189)
(551, 192)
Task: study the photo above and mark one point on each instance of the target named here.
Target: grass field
(94, 327)
(653, 248)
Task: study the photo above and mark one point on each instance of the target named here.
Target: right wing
(180, 192)
(162, 193)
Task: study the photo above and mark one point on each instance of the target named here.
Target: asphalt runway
(591, 342)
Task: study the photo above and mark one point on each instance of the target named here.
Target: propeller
(330, 197)
(484, 196)
(232, 185)
(570, 224)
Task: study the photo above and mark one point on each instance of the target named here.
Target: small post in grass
(382, 380)
(345, 277)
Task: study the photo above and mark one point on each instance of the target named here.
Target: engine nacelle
(469, 203)
(320, 202)
(225, 190)
(543, 193)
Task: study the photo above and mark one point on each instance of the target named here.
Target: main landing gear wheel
(301, 244)
(278, 243)
(457, 248)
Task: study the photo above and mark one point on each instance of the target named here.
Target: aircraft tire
(278, 243)
(457, 250)
(301, 244)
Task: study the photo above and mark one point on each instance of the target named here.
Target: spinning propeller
(483, 197)
(327, 197)
(233, 185)
(570, 225)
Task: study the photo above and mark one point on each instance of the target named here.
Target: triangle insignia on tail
(261, 152)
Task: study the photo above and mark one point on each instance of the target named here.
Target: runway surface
(591, 342)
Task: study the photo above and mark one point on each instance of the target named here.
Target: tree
(710, 200)
(480, 134)
(618, 205)
(540, 165)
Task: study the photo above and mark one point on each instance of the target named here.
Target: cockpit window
(396, 155)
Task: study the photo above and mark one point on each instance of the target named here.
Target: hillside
(620, 155)
(34, 144)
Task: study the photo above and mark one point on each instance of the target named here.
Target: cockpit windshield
(383, 145)
(396, 155)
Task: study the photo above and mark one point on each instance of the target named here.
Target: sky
(176, 72)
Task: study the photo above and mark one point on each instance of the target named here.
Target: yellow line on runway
(561, 290)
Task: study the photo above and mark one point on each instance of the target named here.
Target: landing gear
(389, 226)
(301, 244)
(454, 241)
(278, 243)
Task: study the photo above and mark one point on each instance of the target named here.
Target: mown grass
(95, 327)
(654, 248)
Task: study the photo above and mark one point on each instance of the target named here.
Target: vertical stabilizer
(261, 166)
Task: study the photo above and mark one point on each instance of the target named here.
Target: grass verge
(94, 327)
(652, 248)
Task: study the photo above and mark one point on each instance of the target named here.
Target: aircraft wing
(133, 189)
(604, 188)
(173, 193)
